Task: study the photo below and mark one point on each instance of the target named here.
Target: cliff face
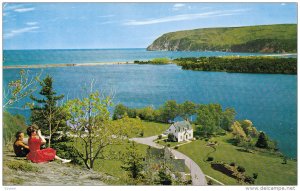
(263, 38)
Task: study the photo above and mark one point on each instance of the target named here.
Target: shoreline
(65, 65)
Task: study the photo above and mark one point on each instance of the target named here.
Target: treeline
(158, 61)
(211, 120)
(249, 64)
(210, 116)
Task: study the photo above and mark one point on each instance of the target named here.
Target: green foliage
(133, 161)
(241, 169)
(171, 137)
(262, 141)
(210, 159)
(12, 124)
(187, 109)
(255, 175)
(22, 165)
(169, 111)
(248, 128)
(238, 132)
(119, 111)
(19, 88)
(92, 128)
(160, 61)
(264, 38)
(212, 120)
(66, 150)
(164, 178)
(245, 64)
(46, 113)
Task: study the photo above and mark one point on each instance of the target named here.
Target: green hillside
(278, 38)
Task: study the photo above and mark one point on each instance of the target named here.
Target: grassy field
(269, 167)
(152, 128)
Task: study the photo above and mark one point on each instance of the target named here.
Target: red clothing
(36, 155)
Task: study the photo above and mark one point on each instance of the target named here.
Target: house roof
(182, 125)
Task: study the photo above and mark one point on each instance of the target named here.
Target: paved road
(198, 178)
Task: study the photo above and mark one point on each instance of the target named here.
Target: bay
(269, 100)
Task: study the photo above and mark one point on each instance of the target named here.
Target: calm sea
(269, 100)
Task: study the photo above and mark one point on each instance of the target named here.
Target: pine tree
(46, 114)
(262, 141)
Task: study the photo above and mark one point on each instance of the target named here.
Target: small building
(182, 130)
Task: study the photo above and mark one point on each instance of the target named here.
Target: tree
(169, 111)
(20, 88)
(247, 126)
(227, 118)
(92, 129)
(133, 161)
(171, 137)
(207, 120)
(262, 141)
(238, 131)
(47, 114)
(187, 109)
(119, 111)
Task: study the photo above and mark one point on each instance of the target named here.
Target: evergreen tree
(133, 161)
(262, 141)
(46, 113)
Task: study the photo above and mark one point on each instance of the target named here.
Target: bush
(210, 158)
(241, 169)
(232, 164)
(171, 137)
(206, 139)
(176, 147)
(249, 180)
(168, 145)
(209, 182)
(159, 136)
(255, 175)
(142, 133)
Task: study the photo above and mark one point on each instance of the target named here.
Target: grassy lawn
(269, 168)
(152, 128)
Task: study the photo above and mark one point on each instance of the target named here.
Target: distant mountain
(279, 38)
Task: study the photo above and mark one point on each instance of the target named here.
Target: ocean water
(32, 57)
(269, 100)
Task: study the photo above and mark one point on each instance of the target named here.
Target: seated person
(20, 148)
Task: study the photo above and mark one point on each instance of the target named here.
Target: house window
(180, 137)
(190, 135)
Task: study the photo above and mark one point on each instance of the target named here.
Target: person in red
(37, 155)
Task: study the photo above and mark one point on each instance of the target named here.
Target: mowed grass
(152, 128)
(112, 161)
(269, 167)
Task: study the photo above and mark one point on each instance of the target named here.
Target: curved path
(198, 178)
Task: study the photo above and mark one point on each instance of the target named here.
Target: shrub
(232, 164)
(255, 175)
(206, 139)
(249, 180)
(142, 133)
(209, 182)
(210, 158)
(168, 145)
(171, 137)
(159, 136)
(176, 147)
(241, 169)
(157, 142)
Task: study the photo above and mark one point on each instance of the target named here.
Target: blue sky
(125, 25)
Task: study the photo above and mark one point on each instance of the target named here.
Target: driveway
(198, 178)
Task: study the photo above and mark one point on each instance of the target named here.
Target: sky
(125, 25)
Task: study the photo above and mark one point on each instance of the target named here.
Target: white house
(182, 130)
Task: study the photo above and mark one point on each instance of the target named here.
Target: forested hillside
(278, 38)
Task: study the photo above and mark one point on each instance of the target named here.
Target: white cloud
(22, 10)
(31, 23)
(184, 17)
(107, 22)
(8, 7)
(20, 31)
(282, 4)
(178, 6)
